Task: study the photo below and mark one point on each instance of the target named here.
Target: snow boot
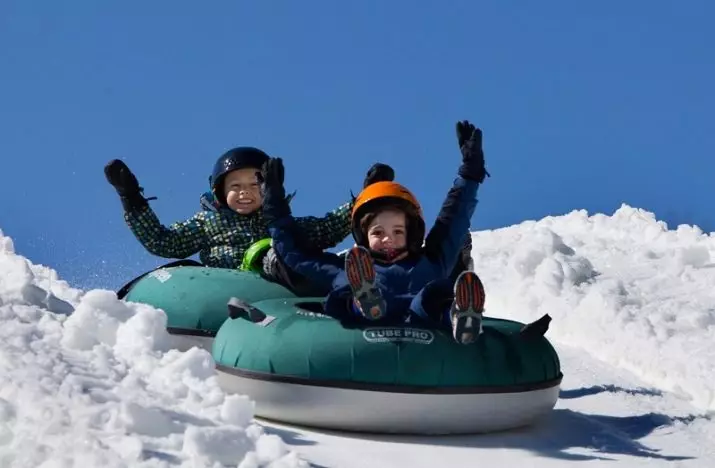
(467, 308)
(367, 298)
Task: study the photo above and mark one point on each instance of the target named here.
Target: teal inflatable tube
(195, 297)
(303, 367)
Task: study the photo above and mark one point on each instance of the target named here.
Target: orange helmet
(380, 194)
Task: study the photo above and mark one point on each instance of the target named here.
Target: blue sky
(583, 105)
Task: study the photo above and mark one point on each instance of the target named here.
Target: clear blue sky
(583, 105)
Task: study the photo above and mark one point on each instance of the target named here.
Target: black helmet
(236, 158)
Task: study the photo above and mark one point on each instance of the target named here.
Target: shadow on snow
(558, 435)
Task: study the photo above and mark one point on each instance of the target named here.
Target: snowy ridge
(102, 387)
(623, 287)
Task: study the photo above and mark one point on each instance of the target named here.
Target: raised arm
(320, 268)
(328, 231)
(180, 240)
(445, 239)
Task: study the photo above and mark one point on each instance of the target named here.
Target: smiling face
(387, 232)
(242, 191)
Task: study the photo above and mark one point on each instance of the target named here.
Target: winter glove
(126, 185)
(275, 204)
(470, 144)
(379, 173)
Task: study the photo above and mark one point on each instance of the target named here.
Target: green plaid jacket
(222, 237)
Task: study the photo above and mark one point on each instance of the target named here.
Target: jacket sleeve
(445, 240)
(180, 240)
(328, 231)
(320, 268)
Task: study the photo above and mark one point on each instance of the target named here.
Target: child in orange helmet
(390, 275)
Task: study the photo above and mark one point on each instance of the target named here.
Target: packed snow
(88, 380)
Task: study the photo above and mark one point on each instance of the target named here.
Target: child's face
(388, 231)
(243, 193)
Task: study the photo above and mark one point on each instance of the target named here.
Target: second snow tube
(195, 297)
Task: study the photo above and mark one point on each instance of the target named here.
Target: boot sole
(361, 276)
(469, 298)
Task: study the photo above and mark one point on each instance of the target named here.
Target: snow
(102, 386)
(87, 380)
(623, 287)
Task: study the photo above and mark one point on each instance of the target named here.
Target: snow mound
(624, 287)
(89, 381)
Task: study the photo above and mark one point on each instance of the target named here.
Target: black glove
(379, 173)
(126, 185)
(275, 204)
(470, 144)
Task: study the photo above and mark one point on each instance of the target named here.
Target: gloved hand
(379, 173)
(126, 185)
(470, 144)
(275, 204)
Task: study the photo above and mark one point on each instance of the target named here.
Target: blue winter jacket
(400, 282)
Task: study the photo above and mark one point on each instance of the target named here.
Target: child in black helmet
(221, 237)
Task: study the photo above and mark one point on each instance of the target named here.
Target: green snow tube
(306, 368)
(195, 297)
